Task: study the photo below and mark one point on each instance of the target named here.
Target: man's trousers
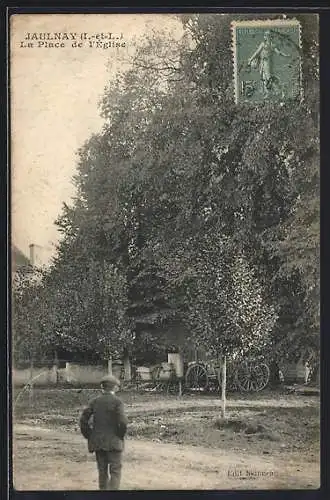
(109, 464)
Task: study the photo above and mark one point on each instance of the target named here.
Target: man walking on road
(106, 432)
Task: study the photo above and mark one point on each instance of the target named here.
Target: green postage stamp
(267, 60)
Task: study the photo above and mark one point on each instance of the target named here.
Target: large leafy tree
(86, 305)
(177, 170)
(264, 161)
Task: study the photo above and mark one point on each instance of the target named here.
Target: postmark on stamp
(267, 60)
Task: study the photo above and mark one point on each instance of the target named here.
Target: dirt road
(49, 459)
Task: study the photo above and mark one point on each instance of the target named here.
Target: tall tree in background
(271, 153)
(29, 318)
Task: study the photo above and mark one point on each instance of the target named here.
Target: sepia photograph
(165, 228)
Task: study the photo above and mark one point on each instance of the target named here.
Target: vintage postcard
(165, 251)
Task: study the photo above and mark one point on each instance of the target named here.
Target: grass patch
(293, 429)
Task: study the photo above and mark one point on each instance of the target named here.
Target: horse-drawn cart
(158, 378)
(247, 375)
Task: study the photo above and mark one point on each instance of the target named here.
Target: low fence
(71, 374)
(40, 376)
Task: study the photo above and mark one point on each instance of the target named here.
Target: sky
(54, 108)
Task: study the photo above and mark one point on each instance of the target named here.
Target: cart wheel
(196, 378)
(252, 376)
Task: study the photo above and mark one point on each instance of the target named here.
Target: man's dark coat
(109, 423)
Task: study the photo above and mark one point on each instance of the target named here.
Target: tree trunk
(223, 385)
(31, 379)
(127, 368)
(180, 387)
(56, 364)
(110, 365)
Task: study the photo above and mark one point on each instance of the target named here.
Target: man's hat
(110, 381)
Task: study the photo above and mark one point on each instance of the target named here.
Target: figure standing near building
(263, 59)
(106, 432)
